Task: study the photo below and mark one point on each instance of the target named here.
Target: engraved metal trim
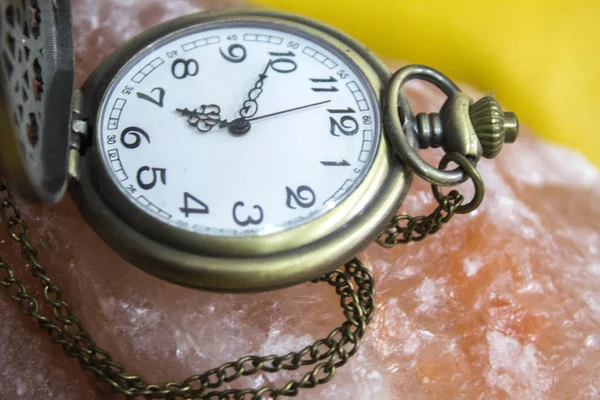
(37, 80)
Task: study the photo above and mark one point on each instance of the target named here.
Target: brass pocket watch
(233, 150)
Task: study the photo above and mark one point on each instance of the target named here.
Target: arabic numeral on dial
(111, 139)
(342, 74)
(199, 207)
(127, 90)
(255, 219)
(332, 88)
(283, 65)
(157, 174)
(161, 97)
(342, 163)
(293, 45)
(347, 125)
(131, 137)
(303, 197)
(236, 53)
(181, 68)
(286, 54)
(348, 110)
(232, 37)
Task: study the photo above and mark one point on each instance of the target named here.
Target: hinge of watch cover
(79, 133)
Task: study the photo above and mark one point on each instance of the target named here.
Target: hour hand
(203, 118)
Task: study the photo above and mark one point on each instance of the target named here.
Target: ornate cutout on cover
(22, 68)
(37, 81)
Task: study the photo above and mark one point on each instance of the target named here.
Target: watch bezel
(239, 263)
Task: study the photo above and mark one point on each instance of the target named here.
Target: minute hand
(245, 123)
(288, 111)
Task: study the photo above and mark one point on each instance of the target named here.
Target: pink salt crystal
(502, 303)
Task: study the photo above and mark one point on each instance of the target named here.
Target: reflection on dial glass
(239, 130)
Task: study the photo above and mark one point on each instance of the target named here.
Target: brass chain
(404, 228)
(66, 330)
(358, 304)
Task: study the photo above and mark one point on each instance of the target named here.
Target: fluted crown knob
(493, 126)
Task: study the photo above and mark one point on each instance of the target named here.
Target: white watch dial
(239, 129)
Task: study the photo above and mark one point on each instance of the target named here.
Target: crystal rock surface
(501, 304)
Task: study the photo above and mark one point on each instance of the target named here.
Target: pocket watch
(230, 151)
(241, 150)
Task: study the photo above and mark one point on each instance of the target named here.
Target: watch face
(238, 129)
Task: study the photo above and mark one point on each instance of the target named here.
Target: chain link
(330, 353)
(353, 283)
(404, 228)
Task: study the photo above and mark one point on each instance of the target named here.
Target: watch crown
(493, 126)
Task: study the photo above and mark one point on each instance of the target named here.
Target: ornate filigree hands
(203, 118)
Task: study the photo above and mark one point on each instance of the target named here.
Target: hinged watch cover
(37, 83)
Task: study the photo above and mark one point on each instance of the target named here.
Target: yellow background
(541, 58)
